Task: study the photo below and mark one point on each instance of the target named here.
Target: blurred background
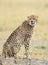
(13, 12)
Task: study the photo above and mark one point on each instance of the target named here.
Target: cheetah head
(32, 20)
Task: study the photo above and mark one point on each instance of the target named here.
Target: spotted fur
(20, 36)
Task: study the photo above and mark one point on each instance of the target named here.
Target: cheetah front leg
(26, 50)
(26, 43)
(27, 53)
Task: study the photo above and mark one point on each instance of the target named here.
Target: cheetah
(20, 36)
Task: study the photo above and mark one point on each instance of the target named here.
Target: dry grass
(20, 61)
(38, 55)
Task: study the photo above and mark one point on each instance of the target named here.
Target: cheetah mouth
(33, 25)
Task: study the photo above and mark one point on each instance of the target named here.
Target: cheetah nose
(32, 22)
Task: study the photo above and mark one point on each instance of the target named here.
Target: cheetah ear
(28, 17)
